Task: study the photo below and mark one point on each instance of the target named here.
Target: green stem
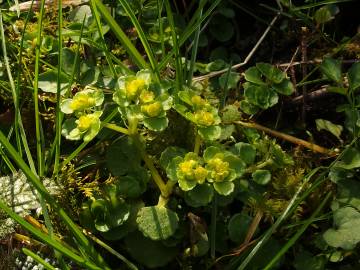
(116, 128)
(36, 92)
(197, 145)
(165, 191)
(213, 227)
(299, 232)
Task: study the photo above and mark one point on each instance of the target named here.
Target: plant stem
(133, 133)
(165, 191)
(213, 227)
(292, 139)
(116, 128)
(197, 145)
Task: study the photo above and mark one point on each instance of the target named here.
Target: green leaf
(285, 87)
(157, 222)
(265, 97)
(156, 124)
(350, 159)
(348, 193)
(246, 151)
(210, 152)
(346, 233)
(210, 133)
(68, 58)
(48, 82)
(201, 195)
(171, 169)
(133, 185)
(331, 68)
(272, 73)
(253, 75)
(238, 227)
(337, 90)
(231, 113)
(354, 76)
(187, 185)
(229, 81)
(224, 188)
(325, 14)
(152, 254)
(128, 226)
(122, 157)
(169, 153)
(338, 174)
(221, 28)
(248, 108)
(306, 260)
(262, 177)
(327, 125)
(215, 65)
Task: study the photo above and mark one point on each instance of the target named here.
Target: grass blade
(47, 239)
(34, 180)
(38, 259)
(119, 33)
(293, 239)
(142, 36)
(179, 77)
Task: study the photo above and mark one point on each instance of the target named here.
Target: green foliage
(345, 234)
(264, 83)
(157, 222)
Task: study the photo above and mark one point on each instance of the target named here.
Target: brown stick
(313, 147)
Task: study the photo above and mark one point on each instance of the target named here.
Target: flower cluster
(201, 113)
(218, 167)
(83, 105)
(138, 97)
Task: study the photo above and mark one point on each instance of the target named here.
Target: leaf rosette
(217, 167)
(264, 83)
(83, 101)
(138, 97)
(87, 126)
(224, 168)
(199, 111)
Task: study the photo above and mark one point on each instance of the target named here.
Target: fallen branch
(247, 59)
(313, 147)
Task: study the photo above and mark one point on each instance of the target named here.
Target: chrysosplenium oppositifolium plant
(198, 175)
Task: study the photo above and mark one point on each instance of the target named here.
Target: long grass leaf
(142, 36)
(190, 29)
(277, 223)
(179, 77)
(119, 33)
(103, 43)
(34, 180)
(38, 259)
(297, 235)
(47, 239)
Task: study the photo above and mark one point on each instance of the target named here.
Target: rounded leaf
(157, 222)
(246, 151)
(224, 188)
(201, 195)
(262, 177)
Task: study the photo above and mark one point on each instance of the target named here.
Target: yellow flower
(204, 118)
(82, 102)
(187, 167)
(147, 96)
(153, 109)
(134, 87)
(85, 121)
(200, 174)
(198, 101)
(219, 169)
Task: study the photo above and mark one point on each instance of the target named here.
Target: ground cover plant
(150, 134)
